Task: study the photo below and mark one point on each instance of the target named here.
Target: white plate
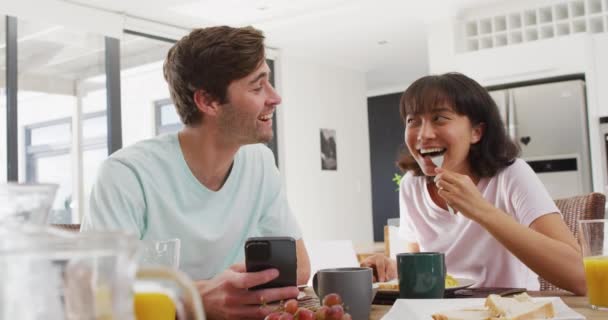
(462, 283)
(423, 309)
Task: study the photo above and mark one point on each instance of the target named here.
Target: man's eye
(258, 89)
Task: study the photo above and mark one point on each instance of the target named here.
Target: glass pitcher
(47, 273)
(53, 274)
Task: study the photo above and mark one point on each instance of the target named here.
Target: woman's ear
(477, 132)
(205, 103)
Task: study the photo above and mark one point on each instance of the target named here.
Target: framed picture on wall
(329, 158)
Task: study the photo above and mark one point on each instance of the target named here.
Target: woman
(506, 229)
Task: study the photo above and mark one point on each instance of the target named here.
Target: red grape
(291, 306)
(332, 299)
(286, 316)
(321, 313)
(347, 316)
(273, 316)
(335, 312)
(305, 314)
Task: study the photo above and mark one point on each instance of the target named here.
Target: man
(213, 184)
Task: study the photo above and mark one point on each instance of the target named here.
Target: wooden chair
(573, 209)
(68, 227)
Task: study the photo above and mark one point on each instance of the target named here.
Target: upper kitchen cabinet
(543, 22)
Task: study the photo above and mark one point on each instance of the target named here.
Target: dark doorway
(386, 140)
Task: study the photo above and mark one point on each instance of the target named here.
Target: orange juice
(596, 273)
(153, 306)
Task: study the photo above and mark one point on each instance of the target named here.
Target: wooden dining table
(578, 304)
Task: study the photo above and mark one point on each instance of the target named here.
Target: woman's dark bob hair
(494, 151)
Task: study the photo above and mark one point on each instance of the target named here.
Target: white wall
(328, 204)
(582, 53)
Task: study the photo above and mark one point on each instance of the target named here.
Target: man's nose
(274, 98)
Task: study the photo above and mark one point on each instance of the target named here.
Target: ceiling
(385, 39)
(51, 58)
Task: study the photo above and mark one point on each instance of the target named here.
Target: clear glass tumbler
(594, 241)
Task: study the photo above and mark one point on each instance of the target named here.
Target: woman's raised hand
(460, 192)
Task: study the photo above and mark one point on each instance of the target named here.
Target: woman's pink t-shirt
(472, 252)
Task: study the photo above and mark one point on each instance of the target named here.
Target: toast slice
(464, 314)
(520, 307)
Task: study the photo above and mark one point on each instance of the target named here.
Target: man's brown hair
(210, 59)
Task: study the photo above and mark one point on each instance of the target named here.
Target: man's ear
(477, 132)
(205, 103)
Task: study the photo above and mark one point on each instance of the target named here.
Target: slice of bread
(520, 307)
(464, 314)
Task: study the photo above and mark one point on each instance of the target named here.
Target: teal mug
(421, 275)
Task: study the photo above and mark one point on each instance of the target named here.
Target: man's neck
(208, 155)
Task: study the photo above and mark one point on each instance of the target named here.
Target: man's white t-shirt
(472, 252)
(147, 189)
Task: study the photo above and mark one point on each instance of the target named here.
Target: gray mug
(354, 285)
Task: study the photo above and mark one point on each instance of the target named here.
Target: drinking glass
(594, 241)
(154, 300)
(164, 253)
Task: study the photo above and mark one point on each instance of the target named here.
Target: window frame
(33, 153)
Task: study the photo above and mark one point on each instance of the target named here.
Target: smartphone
(263, 253)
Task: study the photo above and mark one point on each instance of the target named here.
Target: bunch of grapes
(331, 309)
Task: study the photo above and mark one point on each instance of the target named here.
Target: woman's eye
(439, 117)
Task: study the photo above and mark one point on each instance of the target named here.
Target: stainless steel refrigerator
(549, 121)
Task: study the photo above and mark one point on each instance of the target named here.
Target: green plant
(397, 180)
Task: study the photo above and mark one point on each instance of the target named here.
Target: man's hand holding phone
(241, 292)
(279, 253)
(228, 295)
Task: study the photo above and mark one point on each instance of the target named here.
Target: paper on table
(423, 309)
(325, 254)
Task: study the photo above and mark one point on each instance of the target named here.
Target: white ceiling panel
(345, 33)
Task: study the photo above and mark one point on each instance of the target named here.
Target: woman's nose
(427, 131)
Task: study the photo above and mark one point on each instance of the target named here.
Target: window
(143, 85)
(167, 119)
(61, 87)
(49, 158)
(94, 151)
